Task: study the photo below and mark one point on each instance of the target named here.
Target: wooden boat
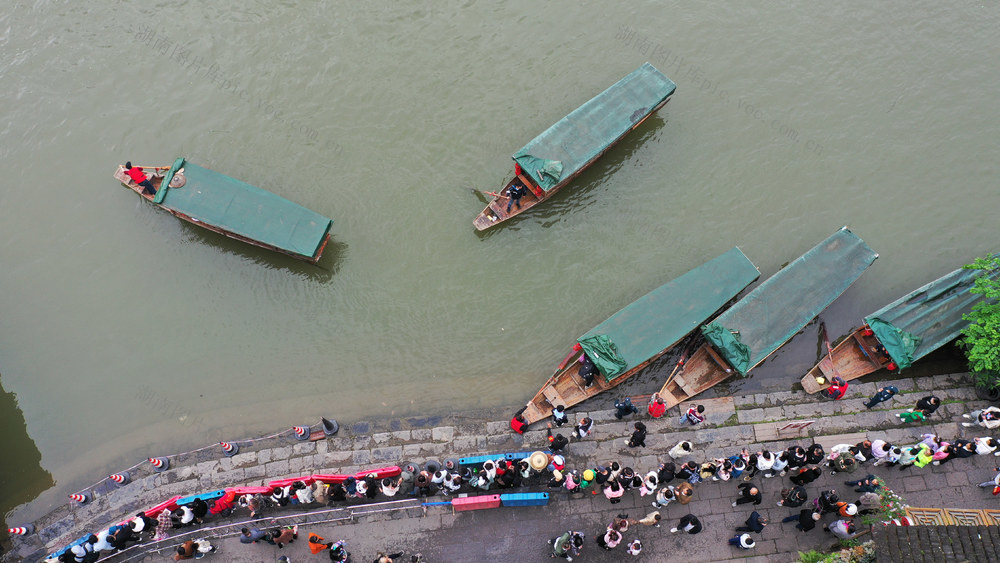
(235, 209)
(641, 332)
(755, 327)
(902, 332)
(564, 150)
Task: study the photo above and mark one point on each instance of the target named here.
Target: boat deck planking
(704, 369)
(854, 357)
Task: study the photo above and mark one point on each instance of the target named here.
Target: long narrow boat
(902, 332)
(552, 159)
(747, 333)
(641, 332)
(236, 209)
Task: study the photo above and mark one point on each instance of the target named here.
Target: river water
(126, 333)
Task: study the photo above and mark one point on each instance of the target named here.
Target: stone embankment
(733, 423)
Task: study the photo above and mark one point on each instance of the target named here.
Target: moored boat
(747, 333)
(564, 150)
(629, 340)
(902, 332)
(235, 209)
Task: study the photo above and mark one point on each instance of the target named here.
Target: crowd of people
(672, 481)
(675, 481)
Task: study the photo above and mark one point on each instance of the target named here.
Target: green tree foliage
(981, 338)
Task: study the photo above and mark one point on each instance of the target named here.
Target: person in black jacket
(793, 498)
(748, 493)
(638, 439)
(807, 519)
(689, 523)
(755, 523)
(806, 475)
(815, 454)
(928, 405)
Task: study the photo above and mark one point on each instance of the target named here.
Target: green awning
(237, 207)
(664, 316)
(577, 139)
(756, 326)
(925, 319)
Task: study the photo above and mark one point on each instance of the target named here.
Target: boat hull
(856, 356)
(157, 179)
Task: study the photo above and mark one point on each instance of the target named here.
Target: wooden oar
(564, 367)
(829, 349)
(680, 364)
(153, 167)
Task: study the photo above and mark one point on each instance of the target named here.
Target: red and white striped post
(122, 478)
(301, 432)
(159, 463)
(230, 448)
(21, 530)
(82, 498)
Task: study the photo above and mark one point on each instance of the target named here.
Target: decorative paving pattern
(953, 516)
(927, 516)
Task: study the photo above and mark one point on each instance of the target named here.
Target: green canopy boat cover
(239, 208)
(664, 316)
(756, 326)
(922, 321)
(577, 139)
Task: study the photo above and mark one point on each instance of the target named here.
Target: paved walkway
(521, 533)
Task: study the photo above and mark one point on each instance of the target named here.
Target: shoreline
(368, 444)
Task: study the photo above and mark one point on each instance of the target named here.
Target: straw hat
(538, 461)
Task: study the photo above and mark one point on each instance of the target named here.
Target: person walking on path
(805, 475)
(883, 394)
(689, 523)
(987, 418)
(748, 493)
(694, 416)
(911, 416)
(567, 545)
(634, 548)
(986, 445)
(609, 539)
(806, 519)
(624, 408)
(254, 535)
(684, 492)
(638, 439)
(583, 428)
(755, 523)
(682, 449)
(744, 541)
(843, 529)
(927, 405)
(793, 498)
(559, 416)
(556, 442)
(281, 536)
(869, 484)
(664, 496)
(995, 483)
(836, 390)
(651, 519)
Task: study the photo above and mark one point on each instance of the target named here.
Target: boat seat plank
(864, 349)
(552, 396)
(717, 358)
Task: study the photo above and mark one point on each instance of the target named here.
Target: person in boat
(139, 177)
(514, 192)
(588, 370)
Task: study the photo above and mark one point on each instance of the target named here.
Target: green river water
(125, 333)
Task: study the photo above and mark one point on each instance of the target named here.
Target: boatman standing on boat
(139, 177)
(514, 192)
